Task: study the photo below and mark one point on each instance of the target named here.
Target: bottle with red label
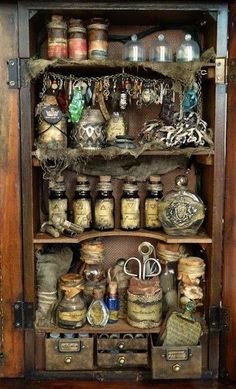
(57, 38)
(77, 40)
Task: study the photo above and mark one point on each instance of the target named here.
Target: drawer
(69, 354)
(113, 353)
(176, 361)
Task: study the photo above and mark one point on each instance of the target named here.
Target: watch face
(52, 114)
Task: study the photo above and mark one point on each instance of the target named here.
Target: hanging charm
(76, 106)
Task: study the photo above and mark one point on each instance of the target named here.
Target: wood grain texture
(10, 213)
(229, 277)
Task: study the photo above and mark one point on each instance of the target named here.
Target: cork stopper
(113, 287)
(81, 178)
(98, 293)
(57, 21)
(105, 178)
(72, 279)
(154, 179)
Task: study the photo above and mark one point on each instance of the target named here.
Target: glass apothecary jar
(161, 51)
(134, 50)
(188, 51)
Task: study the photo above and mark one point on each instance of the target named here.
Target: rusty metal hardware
(23, 314)
(220, 70)
(219, 318)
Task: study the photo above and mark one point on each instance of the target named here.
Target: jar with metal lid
(98, 38)
(152, 201)
(104, 205)
(71, 310)
(130, 206)
(77, 40)
(182, 211)
(82, 203)
(58, 200)
(57, 38)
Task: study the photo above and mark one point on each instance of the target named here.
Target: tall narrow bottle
(58, 201)
(152, 200)
(82, 203)
(130, 206)
(104, 205)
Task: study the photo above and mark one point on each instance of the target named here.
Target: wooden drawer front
(122, 352)
(122, 344)
(69, 354)
(176, 362)
(122, 359)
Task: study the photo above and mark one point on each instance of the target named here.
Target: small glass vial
(116, 126)
(82, 204)
(161, 51)
(98, 39)
(71, 310)
(191, 276)
(182, 212)
(189, 50)
(58, 201)
(130, 206)
(98, 313)
(57, 38)
(77, 40)
(104, 205)
(112, 302)
(152, 201)
(134, 50)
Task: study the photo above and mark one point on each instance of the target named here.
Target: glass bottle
(98, 313)
(189, 50)
(57, 38)
(161, 51)
(112, 302)
(116, 126)
(182, 212)
(104, 205)
(130, 206)
(82, 204)
(71, 310)
(98, 39)
(58, 201)
(134, 50)
(77, 40)
(152, 200)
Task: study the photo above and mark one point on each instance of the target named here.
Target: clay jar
(57, 38)
(77, 40)
(98, 39)
(89, 133)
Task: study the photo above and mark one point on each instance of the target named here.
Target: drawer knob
(68, 360)
(176, 368)
(121, 346)
(121, 361)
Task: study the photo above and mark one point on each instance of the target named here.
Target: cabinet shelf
(120, 327)
(159, 235)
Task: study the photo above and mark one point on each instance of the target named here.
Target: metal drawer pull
(121, 361)
(121, 346)
(176, 367)
(68, 360)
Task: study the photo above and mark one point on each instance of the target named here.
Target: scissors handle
(152, 273)
(139, 275)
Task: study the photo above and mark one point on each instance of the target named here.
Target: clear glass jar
(82, 204)
(71, 310)
(182, 211)
(161, 51)
(152, 200)
(104, 205)
(189, 50)
(98, 313)
(130, 207)
(134, 50)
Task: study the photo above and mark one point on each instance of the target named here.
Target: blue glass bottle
(112, 302)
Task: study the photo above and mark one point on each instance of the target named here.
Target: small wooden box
(113, 353)
(69, 354)
(176, 361)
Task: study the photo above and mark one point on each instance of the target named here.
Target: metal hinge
(220, 70)
(219, 318)
(23, 314)
(14, 80)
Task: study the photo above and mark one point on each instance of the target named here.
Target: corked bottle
(130, 205)
(57, 38)
(98, 313)
(58, 201)
(152, 200)
(104, 205)
(71, 311)
(77, 40)
(98, 39)
(82, 203)
(112, 302)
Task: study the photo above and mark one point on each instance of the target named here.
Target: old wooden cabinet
(37, 360)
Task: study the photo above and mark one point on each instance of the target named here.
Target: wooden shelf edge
(120, 327)
(158, 235)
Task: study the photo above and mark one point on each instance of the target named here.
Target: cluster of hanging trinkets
(88, 113)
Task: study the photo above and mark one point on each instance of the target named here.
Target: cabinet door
(11, 339)
(228, 357)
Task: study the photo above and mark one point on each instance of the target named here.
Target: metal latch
(220, 70)
(219, 318)
(14, 73)
(23, 314)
